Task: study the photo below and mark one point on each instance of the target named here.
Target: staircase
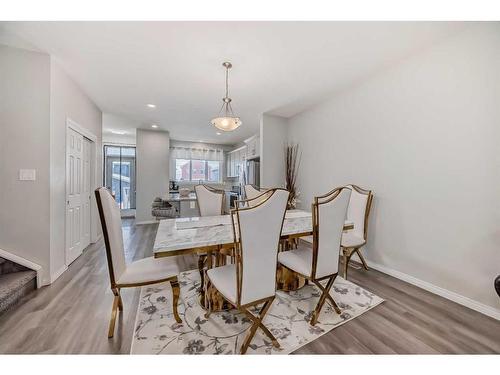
(16, 281)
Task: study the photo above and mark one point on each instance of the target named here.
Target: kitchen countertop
(176, 197)
(192, 196)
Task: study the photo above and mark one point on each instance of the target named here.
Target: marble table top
(172, 239)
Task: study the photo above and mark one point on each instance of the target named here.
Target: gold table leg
(285, 279)
(209, 296)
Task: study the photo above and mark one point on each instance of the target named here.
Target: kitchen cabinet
(253, 147)
(235, 161)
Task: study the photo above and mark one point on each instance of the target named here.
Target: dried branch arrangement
(292, 163)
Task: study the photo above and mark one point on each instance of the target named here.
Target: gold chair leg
(249, 338)
(270, 335)
(175, 298)
(322, 299)
(347, 258)
(120, 302)
(114, 311)
(328, 296)
(358, 251)
(257, 322)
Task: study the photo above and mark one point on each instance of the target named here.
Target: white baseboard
(146, 222)
(452, 296)
(26, 263)
(59, 272)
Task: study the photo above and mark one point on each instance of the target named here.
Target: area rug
(156, 331)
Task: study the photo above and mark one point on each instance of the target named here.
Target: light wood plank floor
(71, 315)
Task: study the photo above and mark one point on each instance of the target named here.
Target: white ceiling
(279, 67)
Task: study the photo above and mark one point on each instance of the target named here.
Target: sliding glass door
(119, 174)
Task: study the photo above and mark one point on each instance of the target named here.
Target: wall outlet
(27, 174)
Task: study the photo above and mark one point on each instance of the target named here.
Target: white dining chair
(253, 195)
(322, 261)
(251, 281)
(251, 191)
(141, 272)
(210, 201)
(358, 213)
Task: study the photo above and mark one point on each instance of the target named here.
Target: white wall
(152, 152)
(425, 137)
(24, 143)
(67, 100)
(273, 138)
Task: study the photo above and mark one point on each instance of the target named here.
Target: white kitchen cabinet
(253, 147)
(235, 160)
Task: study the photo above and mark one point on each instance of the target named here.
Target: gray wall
(24, 143)
(152, 150)
(67, 100)
(273, 138)
(425, 137)
(36, 97)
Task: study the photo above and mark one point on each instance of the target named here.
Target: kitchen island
(185, 206)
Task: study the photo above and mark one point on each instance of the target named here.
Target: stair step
(8, 266)
(14, 286)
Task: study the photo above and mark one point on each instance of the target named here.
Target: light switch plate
(192, 205)
(27, 174)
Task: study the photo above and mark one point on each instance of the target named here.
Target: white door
(74, 193)
(86, 191)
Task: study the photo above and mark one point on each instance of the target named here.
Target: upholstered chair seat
(299, 260)
(149, 270)
(352, 240)
(224, 280)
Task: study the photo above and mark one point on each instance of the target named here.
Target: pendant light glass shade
(226, 121)
(226, 124)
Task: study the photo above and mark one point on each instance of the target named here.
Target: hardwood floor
(71, 315)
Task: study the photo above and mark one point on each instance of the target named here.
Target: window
(213, 171)
(197, 170)
(182, 170)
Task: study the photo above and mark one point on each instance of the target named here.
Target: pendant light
(226, 120)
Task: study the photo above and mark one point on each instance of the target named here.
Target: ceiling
(278, 67)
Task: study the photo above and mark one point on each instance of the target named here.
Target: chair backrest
(258, 230)
(251, 192)
(111, 223)
(329, 214)
(359, 210)
(255, 201)
(210, 201)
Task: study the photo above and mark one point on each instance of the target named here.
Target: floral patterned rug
(156, 331)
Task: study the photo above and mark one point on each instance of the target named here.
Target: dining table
(211, 239)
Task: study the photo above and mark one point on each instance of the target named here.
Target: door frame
(104, 166)
(71, 124)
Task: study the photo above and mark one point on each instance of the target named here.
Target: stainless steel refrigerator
(253, 173)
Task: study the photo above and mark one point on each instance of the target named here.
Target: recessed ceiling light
(154, 126)
(218, 133)
(151, 105)
(117, 132)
